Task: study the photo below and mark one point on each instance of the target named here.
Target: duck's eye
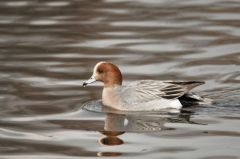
(99, 71)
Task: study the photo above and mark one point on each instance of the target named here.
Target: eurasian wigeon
(142, 95)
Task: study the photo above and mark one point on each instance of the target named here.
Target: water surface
(48, 48)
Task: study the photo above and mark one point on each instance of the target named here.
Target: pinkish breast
(111, 98)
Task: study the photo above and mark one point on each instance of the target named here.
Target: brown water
(48, 48)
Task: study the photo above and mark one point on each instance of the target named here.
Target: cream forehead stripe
(96, 66)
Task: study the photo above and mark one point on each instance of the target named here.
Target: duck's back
(147, 95)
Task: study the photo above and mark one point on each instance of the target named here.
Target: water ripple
(49, 48)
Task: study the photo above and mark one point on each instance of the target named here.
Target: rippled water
(48, 48)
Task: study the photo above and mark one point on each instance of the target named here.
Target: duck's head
(106, 72)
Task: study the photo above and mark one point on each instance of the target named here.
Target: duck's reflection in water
(111, 138)
(118, 123)
(113, 127)
(108, 154)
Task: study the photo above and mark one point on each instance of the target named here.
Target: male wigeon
(142, 95)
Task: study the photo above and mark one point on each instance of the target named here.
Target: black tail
(190, 99)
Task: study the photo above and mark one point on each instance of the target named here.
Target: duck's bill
(91, 80)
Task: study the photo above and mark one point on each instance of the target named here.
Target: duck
(141, 95)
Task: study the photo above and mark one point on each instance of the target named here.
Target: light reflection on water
(49, 48)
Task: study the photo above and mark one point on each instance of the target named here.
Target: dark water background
(48, 48)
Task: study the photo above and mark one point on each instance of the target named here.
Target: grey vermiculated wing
(187, 84)
(147, 90)
(173, 91)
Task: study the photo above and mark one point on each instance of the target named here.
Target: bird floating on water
(141, 95)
